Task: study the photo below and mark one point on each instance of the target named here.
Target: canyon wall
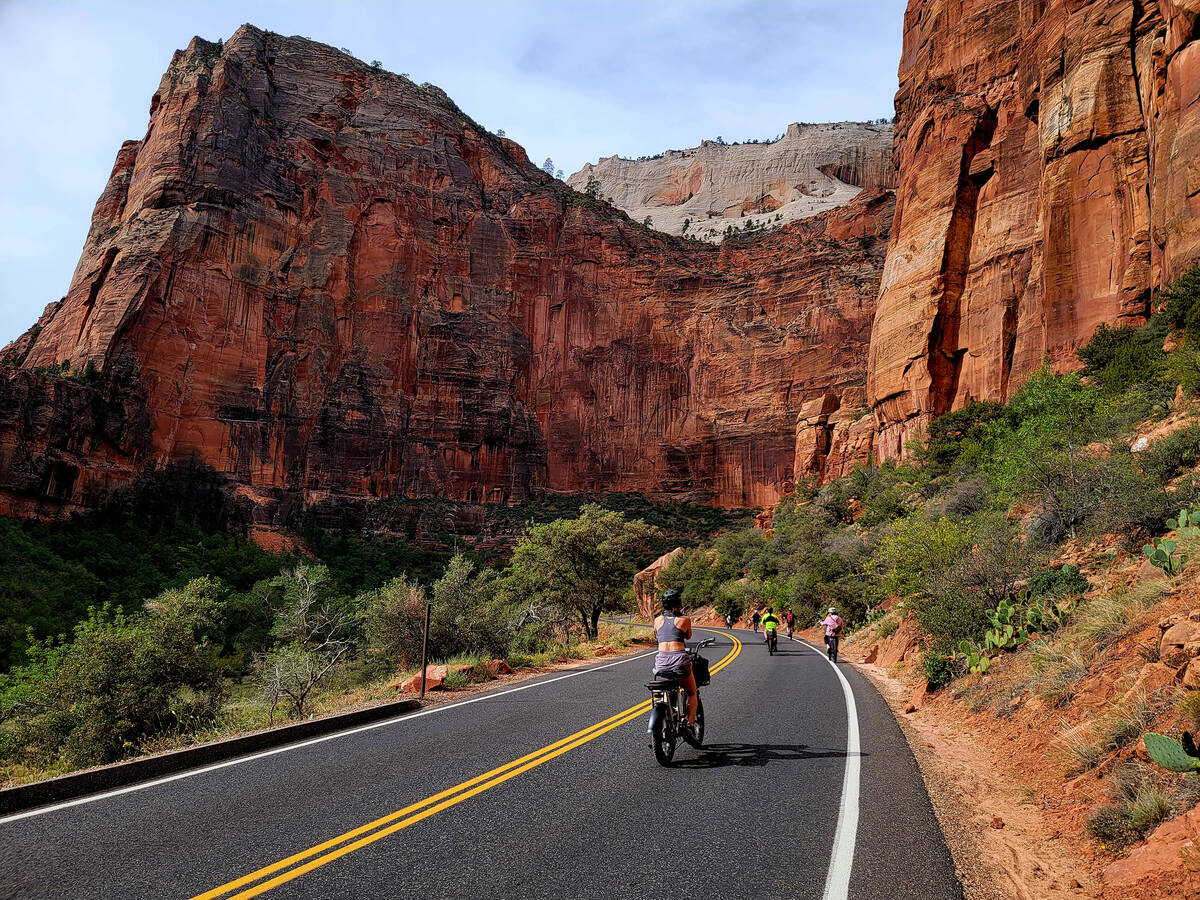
(1049, 180)
(810, 169)
(324, 280)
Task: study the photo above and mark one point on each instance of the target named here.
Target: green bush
(951, 618)
(917, 553)
(956, 435)
(1057, 581)
(940, 666)
(1118, 358)
(119, 680)
(1182, 303)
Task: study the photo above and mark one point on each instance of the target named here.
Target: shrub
(1118, 358)
(940, 666)
(1057, 581)
(918, 552)
(1168, 457)
(1182, 306)
(957, 435)
(119, 680)
(1139, 800)
(951, 618)
(395, 623)
(964, 498)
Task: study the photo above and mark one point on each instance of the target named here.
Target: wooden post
(425, 649)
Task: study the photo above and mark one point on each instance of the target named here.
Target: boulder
(498, 667)
(645, 583)
(1164, 861)
(900, 643)
(1147, 571)
(1180, 639)
(435, 677)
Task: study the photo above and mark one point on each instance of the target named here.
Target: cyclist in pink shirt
(833, 628)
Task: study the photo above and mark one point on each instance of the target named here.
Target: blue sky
(569, 79)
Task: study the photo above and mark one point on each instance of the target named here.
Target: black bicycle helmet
(672, 598)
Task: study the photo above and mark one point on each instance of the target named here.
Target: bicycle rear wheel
(662, 739)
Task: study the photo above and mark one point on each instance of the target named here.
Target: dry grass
(1127, 722)
(1188, 707)
(1139, 799)
(1100, 622)
(1058, 668)
(1082, 749)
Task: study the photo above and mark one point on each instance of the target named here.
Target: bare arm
(684, 624)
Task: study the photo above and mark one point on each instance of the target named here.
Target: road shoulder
(1003, 847)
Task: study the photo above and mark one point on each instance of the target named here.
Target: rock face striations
(326, 281)
(811, 169)
(1049, 180)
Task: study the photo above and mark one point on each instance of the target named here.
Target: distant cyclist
(789, 618)
(755, 619)
(770, 624)
(833, 630)
(728, 620)
(673, 629)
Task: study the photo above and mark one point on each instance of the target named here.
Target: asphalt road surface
(548, 789)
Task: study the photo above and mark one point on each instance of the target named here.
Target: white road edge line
(407, 717)
(837, 882)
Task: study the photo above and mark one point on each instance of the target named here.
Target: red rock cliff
(1049, 180)
(323, 279)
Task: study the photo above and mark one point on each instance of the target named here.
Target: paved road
(541, 791)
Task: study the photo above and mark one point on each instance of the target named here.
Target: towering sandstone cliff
(324, 280)
(810, 169)
(1049, 180)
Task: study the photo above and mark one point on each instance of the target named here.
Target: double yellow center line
(268, 877)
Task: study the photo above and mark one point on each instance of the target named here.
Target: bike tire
(662, 739)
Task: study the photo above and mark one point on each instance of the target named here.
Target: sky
(573, 80)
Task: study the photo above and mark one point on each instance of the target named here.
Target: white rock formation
(810, 169)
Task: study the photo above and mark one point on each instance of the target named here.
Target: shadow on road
(717, 756)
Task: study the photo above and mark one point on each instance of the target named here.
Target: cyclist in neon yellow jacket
(770, 624)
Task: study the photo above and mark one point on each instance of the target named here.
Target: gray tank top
(670, 631)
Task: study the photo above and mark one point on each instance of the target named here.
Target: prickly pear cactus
(1188, 523)
(1169, 753)
(1162, 554)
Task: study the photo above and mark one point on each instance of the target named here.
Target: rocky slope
(1049, 160)
(326, 281)
(811, 169)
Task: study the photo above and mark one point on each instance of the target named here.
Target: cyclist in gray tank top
(672, 660)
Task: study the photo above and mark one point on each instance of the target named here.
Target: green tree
(582, 565)
(592, 188)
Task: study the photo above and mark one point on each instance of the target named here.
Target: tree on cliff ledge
(583, 565)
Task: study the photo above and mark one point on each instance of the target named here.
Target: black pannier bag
(700, 670)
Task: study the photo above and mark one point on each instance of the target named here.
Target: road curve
(548, 789)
